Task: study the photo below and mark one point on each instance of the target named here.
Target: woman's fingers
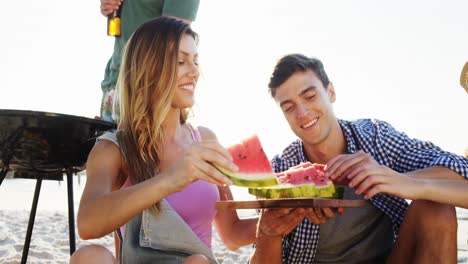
(209, 173)
(215, 146)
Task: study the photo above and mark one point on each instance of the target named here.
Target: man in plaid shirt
(374, 162)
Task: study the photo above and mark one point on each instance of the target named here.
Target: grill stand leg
(3, 174)
(32, 217)
(71, 212)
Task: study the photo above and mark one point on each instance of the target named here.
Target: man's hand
(321, 215)
(368, 177)
(279, 222)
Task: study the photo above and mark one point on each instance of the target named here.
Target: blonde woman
(155, 174)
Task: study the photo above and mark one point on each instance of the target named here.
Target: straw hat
(464, 77)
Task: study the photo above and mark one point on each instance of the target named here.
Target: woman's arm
(103, 210)
(234, 232)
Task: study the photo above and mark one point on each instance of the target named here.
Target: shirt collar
(351, 144)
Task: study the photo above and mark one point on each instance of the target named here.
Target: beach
(49, 242)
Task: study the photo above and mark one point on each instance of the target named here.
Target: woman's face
(188, 73)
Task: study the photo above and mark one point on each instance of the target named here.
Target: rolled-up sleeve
(408, 154)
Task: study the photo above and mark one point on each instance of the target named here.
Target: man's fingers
(336, 168)
(328, 212)
(278, 213)
(318, 213)
(294, 222)
(370, 182)
(340, 210)
(373, 192)
(291, 220)
(310, 214)
(279, 222)
(363, 175)
(348, 163)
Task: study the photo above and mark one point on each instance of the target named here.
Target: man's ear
(331, 92)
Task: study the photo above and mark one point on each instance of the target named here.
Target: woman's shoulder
(206, 133)
(109, 136)
(106, 157)
(106, 148)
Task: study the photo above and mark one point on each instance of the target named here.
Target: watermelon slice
(254, 167)
(300, 181)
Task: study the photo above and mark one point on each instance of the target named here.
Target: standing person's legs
(428, 234)
(107, 105)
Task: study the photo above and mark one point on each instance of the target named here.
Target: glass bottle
(113, 23)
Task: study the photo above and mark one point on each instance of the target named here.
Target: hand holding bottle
(109, 6)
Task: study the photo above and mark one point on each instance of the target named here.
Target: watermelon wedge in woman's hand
(254, 167)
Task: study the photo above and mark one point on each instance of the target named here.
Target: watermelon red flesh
(255, 158)
(239, 157)
(317, 176)
(254, 167)
(295, 176)
(303, 180)
(302, 165)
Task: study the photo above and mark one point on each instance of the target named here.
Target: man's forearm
(268, 250)
(435, 172)
(451, 192)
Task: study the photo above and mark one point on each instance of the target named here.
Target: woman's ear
(331, 92)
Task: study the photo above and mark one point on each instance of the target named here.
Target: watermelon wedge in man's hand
(305, 180)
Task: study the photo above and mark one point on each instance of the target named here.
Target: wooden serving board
(289, 203)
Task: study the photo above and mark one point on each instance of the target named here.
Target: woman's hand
(196, 163)
(109, 6)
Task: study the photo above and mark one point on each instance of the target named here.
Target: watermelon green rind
(297, 191)
(250, 179)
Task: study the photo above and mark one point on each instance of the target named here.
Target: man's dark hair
(292, 63)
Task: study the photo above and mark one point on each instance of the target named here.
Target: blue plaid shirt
(388, 147)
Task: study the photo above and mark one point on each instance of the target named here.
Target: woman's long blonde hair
(145, 88)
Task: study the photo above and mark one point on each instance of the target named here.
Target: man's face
(307, 106)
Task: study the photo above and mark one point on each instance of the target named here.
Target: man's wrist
(262, 235)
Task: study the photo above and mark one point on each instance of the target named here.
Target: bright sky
(399, 61)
